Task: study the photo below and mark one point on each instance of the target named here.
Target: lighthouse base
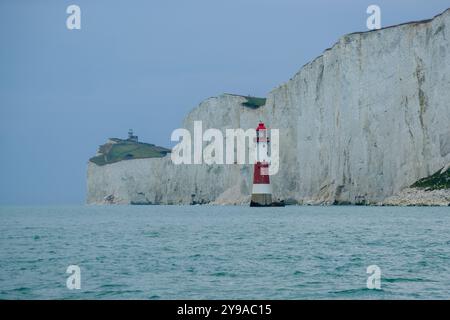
(261, 200)
(273, 204)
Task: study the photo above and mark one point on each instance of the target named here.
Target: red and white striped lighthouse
(262, 190)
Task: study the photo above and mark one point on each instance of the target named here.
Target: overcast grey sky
(144, 65)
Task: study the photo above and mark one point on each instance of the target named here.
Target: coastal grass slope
(117, 150)
(438, 181)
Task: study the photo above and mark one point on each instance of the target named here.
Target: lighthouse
(262, 190)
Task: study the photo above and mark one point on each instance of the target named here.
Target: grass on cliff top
(127, 150)
(254, 102)
(434, 182)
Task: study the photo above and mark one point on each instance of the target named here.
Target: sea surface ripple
(224, 252)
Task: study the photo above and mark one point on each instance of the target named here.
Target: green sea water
(222, 252)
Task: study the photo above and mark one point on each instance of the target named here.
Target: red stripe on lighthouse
(261, 173)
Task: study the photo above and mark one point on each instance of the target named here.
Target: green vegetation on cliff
(439, 180)
(251, 102)
(117, 150)
(254, 102)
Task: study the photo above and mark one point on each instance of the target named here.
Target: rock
(419, 197)
(359, 124)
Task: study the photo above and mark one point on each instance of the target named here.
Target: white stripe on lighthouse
(262, 189)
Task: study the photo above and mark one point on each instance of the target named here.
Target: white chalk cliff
(361, 122)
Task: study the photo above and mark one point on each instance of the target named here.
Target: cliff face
(361, 122)
(159, 181)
